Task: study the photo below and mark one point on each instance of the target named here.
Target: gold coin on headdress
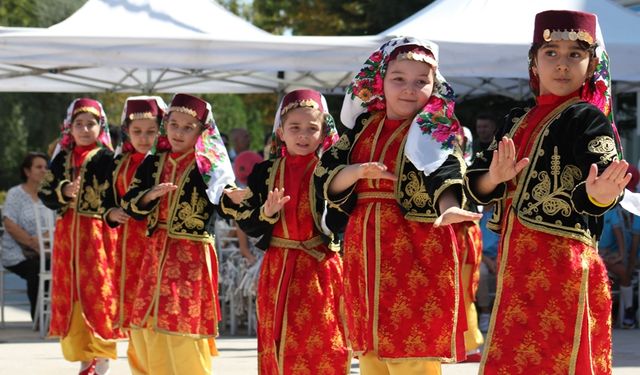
(573, 35)
(546, 35)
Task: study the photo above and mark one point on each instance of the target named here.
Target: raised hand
(608, 186)
(275, 201)
(157, 191)
(236, 195)
(118, 215)
(456, 215)
(374, 170)
(71, 190)
(504, 166)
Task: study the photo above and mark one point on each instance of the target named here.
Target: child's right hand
(374, 170)
(504, 166)
(159, 190)
(275, 201)
(71, 190)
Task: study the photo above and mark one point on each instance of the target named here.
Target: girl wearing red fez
(175, 311)
(553, 171)
(397, 171)
(141, 118)
(83, 303)
(299, 300)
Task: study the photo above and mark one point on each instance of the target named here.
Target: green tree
(13, 145)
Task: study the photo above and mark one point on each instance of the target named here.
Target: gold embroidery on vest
(191, 214)
(556, 200)
(320, 170)
(605, 146)
(342, 144)
(93, 195)
(416, 192)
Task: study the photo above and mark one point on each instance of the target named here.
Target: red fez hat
(564, 25)
(635, 178)
(301, 98)
(140, 109)
(190, 105)
(243, 165)
(86, 105)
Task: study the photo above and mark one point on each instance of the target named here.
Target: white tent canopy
(168, 46)
(484, 43)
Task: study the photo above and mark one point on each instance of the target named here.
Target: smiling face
(408, 85)
(561, 67)
(183, 131)
(142, 134)
(85, 129)
(301, 131)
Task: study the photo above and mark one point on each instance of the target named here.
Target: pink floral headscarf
(435, 130)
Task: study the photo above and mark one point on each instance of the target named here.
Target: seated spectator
(488, 269)
(20, 249)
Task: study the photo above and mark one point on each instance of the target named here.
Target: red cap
(301, 98)
(86, 105)
(635, 178)
(138, 109)
(564, 25)
(190, 105)
(243, 165)
(415, 53)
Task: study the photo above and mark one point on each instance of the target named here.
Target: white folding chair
(45, 227)
(4, 290)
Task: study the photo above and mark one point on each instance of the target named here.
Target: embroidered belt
(306, 246)
(162, 225)
(376, 195)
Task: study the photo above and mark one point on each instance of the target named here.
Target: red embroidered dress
(552, 309)
(402, 280)
(132, 242)
(84, 249)
(179, 285)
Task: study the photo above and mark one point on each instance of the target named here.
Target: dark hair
(487, 116)
(533, 51)
(27, 163)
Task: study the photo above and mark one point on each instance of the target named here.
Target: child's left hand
(608, 186)
(454, 215)
(236, 195)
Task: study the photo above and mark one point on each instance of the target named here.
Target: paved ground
(23, 352)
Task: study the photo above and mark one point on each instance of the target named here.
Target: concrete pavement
(22, 351)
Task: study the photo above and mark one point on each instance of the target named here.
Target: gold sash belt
(306, 246)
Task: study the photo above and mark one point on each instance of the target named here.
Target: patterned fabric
(179, 285)
(299, 303)
(303, 98)
(552, 313)
(434, 130)
(211, 154)
(132, 243)
(66, 141)
(19, 208)
(402, 278)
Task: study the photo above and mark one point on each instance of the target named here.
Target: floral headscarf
(468, 145)
(211, 154)
(302, 99)
(127, 116)
(435, 130)
(83, 105)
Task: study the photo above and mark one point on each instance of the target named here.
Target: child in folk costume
(83, 305)
(175, 312)
(141, 118)
(397, 171)
(554, 171)
(299, 300)
(469, 238)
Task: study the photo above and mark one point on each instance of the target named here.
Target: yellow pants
(472, 336)
(80, 344)
(370, 364)
(163, 354)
